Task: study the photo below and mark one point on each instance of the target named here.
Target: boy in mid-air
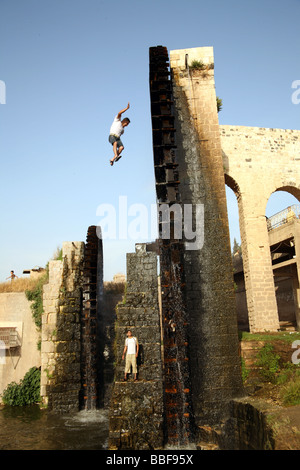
(116, 130)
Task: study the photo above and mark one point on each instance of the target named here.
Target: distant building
(119, 278)
(34, 272)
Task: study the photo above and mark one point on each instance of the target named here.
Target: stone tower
(189, 172)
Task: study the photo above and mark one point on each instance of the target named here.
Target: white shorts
(130, 361)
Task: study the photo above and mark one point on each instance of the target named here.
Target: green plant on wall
(197, 65)
(219, 104)
(27, 392)
(36, 297)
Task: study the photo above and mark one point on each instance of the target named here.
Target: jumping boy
(116, 130)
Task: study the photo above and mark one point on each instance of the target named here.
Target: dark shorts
(113, 138)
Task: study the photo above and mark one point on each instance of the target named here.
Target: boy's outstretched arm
(122, 111)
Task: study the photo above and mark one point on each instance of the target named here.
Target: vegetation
(287, 337)
(219, 104)
(277, 377)
(197, 65)
(245, 371)
(58, 254)
(290, 394)
(236, 248)
(114, 288)
(27, 392)
(19, 285)
(269, 363)
(35, 295)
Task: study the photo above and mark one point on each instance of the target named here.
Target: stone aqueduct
(195, 380)
(258, 162)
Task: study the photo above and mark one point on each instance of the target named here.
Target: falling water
(176, 359)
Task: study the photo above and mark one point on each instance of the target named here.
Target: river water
(30, 428)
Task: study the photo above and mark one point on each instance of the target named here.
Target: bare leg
(117, 152)
(120, 149)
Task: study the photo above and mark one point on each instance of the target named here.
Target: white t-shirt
(116, 127)
(131, 345)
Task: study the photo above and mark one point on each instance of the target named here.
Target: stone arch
(232, 184)
(290, 188)
(258, 162)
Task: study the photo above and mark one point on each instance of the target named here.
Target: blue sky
(70, 65)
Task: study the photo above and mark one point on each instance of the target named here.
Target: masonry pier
(71, 355)
(137, 409)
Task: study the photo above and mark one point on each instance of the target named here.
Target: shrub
(268, 362)
(197, 65)
(219, 104)
(27, 392)
(291, 392)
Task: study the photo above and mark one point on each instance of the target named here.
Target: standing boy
(116, 130)
(12, 276)
(132, 350)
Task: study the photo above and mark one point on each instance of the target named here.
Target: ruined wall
(257, 162)
(136, 411)
(61, 361)
(210, 300)
(75, 331)
(247, 428)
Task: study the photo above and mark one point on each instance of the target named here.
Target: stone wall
(246, 428)
(15, 311)
(61, 378)
(136, 411)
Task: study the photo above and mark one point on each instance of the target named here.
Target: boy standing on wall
(12, 276)
(116, 130)
(132, 350)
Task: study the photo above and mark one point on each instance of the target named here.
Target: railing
(283, 217)
(9, 337)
